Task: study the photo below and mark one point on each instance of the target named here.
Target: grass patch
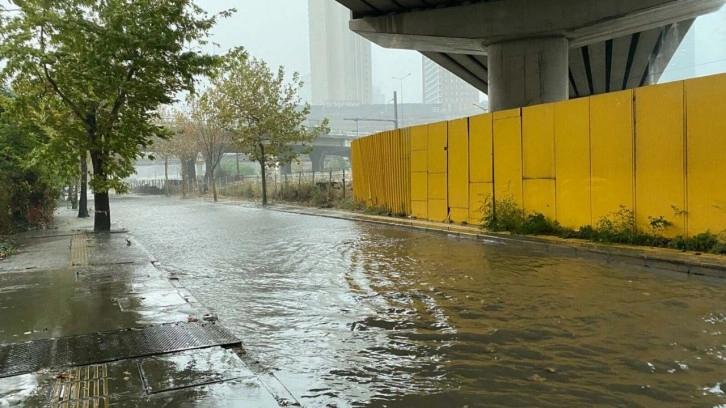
(618, 227)
(7, 247)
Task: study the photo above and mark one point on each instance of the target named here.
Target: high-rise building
(340, 60)
(446, 89)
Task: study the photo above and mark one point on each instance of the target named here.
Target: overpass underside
(527, 52)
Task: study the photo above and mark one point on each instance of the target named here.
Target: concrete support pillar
(528, 72)
(286, 168)
(316, 157)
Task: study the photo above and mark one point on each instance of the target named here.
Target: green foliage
(7, 247)
(262, 110)
(109, 65)
(30, 184)
(704, 242)
(658, 225)
(617, 227)
(505, 215)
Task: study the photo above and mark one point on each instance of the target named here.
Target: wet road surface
(356, 314)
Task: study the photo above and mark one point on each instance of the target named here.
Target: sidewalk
(89, 320)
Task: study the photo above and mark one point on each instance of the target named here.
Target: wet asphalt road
(355, 314)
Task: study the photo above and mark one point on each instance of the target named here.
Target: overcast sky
(277, 31)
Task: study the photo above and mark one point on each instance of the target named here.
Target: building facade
(340, 60)
(441, 87)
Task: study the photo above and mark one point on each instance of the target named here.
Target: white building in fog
(340, 60)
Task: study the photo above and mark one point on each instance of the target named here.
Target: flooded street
(356, 314)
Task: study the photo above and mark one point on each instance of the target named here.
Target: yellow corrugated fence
(382, 170)
(659, 151)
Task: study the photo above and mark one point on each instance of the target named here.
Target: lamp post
(401, 109)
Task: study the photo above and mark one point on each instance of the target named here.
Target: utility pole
(395, 108)
(401, 79)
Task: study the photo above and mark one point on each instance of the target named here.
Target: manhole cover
(192, 368)
(97, 348)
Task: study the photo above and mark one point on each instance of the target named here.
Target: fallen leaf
(535, 378)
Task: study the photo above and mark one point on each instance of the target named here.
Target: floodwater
(354, 314)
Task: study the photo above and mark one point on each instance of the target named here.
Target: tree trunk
(102, 218)
(166, 175)
(83, 203)
(208, 172)
(214, 183)
(73, 191)
(264, 175)
(185, 177)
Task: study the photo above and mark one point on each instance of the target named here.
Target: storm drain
(81, 387)
(97, 348)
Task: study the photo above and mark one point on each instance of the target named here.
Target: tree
(263, 112)
(182, 143)
(212, 139)
(31, 177)
(111, 63)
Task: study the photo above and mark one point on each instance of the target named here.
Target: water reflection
(351, 314)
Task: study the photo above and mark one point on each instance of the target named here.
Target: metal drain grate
(96, 348)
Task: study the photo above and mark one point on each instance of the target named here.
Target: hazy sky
(277, 31)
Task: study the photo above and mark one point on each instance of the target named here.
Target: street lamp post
(401, 109)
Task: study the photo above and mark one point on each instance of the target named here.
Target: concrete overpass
(527, 52)
(332, 144)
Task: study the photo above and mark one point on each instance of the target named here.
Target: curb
(646, 257)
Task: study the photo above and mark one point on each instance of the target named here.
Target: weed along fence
(658, 151)
(321, 186)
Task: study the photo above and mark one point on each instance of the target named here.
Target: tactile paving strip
(96, 348)
(79, 250)
(82, 387)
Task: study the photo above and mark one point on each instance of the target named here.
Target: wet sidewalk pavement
(91, 320)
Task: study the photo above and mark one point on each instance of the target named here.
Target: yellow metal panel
(420, 209)
(437, 186)
(480, 149)
(572, 165)
(706, 160)
(419, 186)
(419, 161)
(460, 215)
(539, 196)
(505, 114)
(458, 175)
(478, 192)
(438, 210)
(538, 142)
(419, 137)
(611, 141)
(659, 155)
(508, 158)
(437, 147)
